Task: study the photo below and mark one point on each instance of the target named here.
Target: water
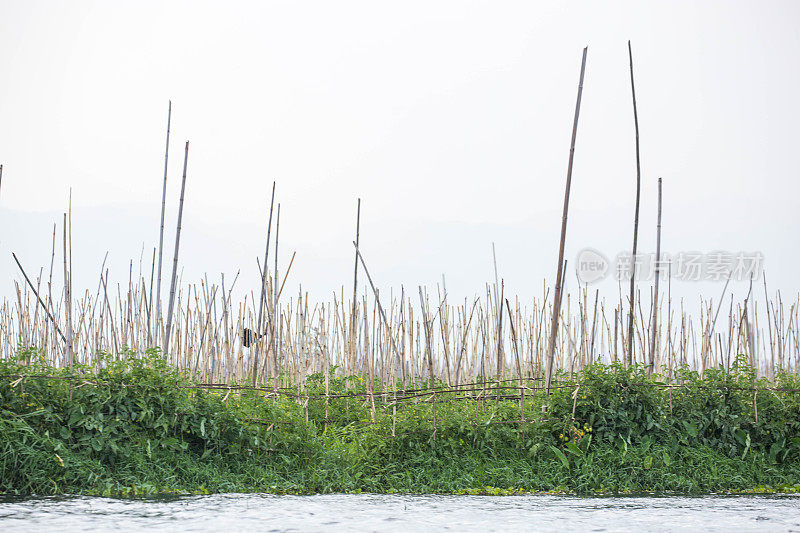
(370, 512)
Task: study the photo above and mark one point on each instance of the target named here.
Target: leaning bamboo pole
(161, 230)
(260, 323)
(559, 267)
(177, 246)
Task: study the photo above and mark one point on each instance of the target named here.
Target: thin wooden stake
(46, 310)
(380, 307)
(428, 349)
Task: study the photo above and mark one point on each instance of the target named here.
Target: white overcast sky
(450, 120)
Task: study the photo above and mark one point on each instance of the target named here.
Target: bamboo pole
(69, 248)
(355, 270)
(499, 311)
(67, 300)
(275, 310)
(629, 353)
(654, 324)
(161, 231)
(559, 267)
(378, 301)
(428, 348)
(177, 246)
(263, 293)
(150, 306)
(46, 310)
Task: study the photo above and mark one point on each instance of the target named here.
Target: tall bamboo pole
(657, 272)
(355, 271)
(50, 280)
(499, 311)
(177, 246)
(161, 232)
(559, 267)
(67, 299)
(259, 332)
(275, 312)
(629, 354)
(69, 248)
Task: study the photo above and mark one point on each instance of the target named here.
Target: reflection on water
(372, 512)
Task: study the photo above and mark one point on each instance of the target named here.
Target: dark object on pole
(249, 337)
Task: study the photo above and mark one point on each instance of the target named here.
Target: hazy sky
(450, 120)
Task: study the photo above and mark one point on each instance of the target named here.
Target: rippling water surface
(370, 512)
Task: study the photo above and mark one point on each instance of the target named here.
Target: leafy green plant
(135, 426)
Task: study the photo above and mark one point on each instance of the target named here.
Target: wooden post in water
(629, 354)
(559, 267)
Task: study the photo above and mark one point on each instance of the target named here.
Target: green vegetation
(138, 427)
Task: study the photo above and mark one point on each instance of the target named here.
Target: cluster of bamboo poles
(265, 336)
(489, 336)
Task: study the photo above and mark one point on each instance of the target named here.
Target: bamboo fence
(399, 341)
